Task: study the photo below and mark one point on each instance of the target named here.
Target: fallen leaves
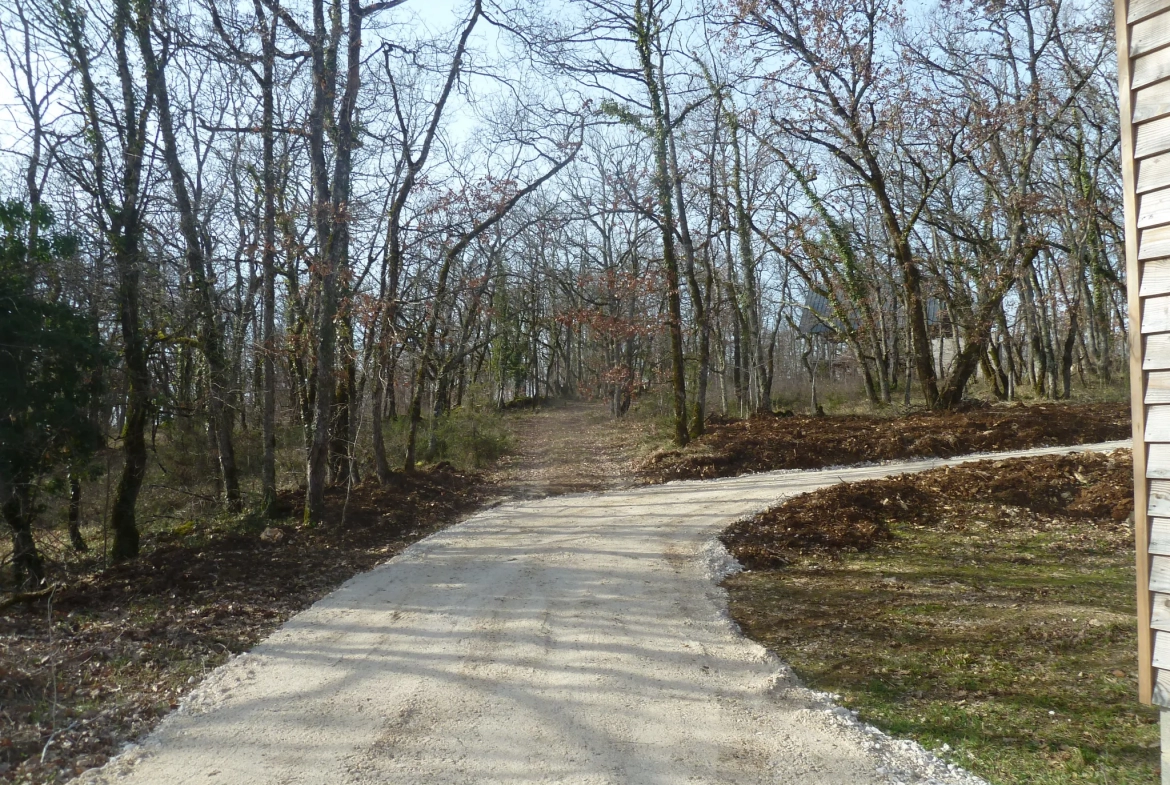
(1036, 493)
(766, 442)
(124, 645)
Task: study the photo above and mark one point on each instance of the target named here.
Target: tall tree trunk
(124, 229)
(645, 22)
(425, 360)
(412, 165)
(967, 360)
(331, 208)
(75, 538)
(1067, 355)
(916, 313)
(751, 309)
(28, 566)
(122, 517)
(384, 375)
(688, 247)
(268, 400)
(341, 443)
(210, 334)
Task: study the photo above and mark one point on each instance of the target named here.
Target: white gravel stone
(574, 639)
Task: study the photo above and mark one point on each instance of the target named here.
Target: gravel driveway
(572, 639)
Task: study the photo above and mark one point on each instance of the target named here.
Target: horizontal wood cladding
(1155, 242)
(1155, 277)
(1150, 103)
(1149, 34)
(1150, 69)
(1160, 612)
(1162, 649)
(1153, 173)
(1160, 574)
(1143, 9)
(1158, 462)
(1152, 138)
(1158, 424)
(1154, 207)
(1159, 501)
(1158, 387)
(1157, 355)
(1162, 689)
(1156, 315)
(1160, 536)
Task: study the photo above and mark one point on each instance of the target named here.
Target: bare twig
(28, 596)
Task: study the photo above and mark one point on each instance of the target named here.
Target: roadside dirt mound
(769, 442)
(115, 651)
(857, 516)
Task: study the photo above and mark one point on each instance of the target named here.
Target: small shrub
(468, 439)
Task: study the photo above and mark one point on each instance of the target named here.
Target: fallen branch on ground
(28, 596)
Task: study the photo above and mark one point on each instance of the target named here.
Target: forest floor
(570, 447)
(768, 442)
(578, 638)
(125, 644)
(987, 610)
(110, 652)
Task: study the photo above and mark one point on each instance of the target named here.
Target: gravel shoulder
(571, 639)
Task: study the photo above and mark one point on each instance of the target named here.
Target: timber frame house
(1143, 42)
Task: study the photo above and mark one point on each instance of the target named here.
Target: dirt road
(573, 639)
(570, 447)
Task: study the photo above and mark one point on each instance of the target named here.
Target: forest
(301, 238)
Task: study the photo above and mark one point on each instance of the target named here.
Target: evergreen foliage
(50, 375)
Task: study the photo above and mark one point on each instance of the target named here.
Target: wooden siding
(1143, 9)
(1158, 387)
(1158, 492)
(1157, 353)
(1150, 103)
(1160, 574)
(1160, 536)
(1161, 613)
(1155, 242)
(1158, 424)
(1149, 35)
(1143, 65)
(1158, 460)
(1153, 173)
(1156, 314)
(1156, 273)
(1154, 206)
(1161, 688)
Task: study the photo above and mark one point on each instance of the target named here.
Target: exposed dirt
(111, 653)
(857, 516)
(570, 447)
(769, 442)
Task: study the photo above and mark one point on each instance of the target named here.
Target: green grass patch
(1014, 644)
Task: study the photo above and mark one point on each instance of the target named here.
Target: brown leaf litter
(98, 663)
(769, 442)
(858, 516)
